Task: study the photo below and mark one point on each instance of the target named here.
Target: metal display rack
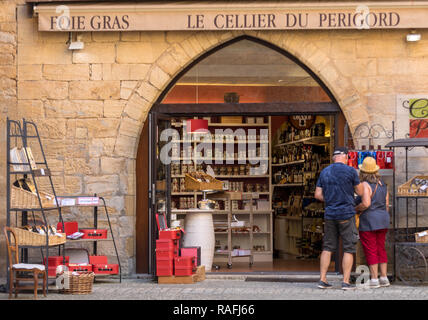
(95, 226)
(17, 136)
(229, 196)
(410, 258)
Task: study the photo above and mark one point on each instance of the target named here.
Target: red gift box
(165, 255)
(389, 160)
(164, 268)
(184, 266)
(353, 159)
(70, 227)
(170, 234)
(194, 252)
(98, 259)
(54, 261)
(105, 268)
(80, 268)
(167, 245)
(94, 233)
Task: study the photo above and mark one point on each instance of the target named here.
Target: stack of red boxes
(101, 266)
(54, 262)
(168, 261)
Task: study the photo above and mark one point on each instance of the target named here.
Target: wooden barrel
(199, 232)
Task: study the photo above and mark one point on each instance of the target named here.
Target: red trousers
(373, 243)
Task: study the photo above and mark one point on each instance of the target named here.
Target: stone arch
(188, 50)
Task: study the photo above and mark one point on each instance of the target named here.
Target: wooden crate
(197, 277)
(407, 189)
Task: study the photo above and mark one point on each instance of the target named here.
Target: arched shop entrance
(293, 121)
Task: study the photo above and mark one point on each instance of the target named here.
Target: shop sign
(181, 17)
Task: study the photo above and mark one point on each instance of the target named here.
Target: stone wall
(8, 98)
(90, 104)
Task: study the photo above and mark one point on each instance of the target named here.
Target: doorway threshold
(272, 276)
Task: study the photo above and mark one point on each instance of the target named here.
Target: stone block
(66, 72)
(111, 165)
(94, 90)
(101, 185)
(42, 90)
(99, 128)
(73, 185)
(95, 53)
(126, 146)
(147, 91)
(105, 36)
(32, 109)
(357, 67)
(53, 129)
(101, 147)
(74, 108)
(158, 77)
(141, 52)
(8, 71)
(130, 127)
(30, 72)
(136, 107)
(77, 166)
(133, 36)
(113, 108)
(96, 71)
(126, 89)
(44, 53)
(368, 48)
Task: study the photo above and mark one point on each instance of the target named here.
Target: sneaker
(347, 286)
(384, 282)
(371, 284)
(324, 285)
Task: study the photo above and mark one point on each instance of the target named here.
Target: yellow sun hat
(369, 165)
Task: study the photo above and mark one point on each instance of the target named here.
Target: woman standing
(374, 221)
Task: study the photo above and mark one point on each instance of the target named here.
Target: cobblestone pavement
(215, 289)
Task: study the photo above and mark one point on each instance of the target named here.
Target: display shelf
(17, 137)
(286, 185)
(238, 125)
(309, 140)
(263, 177)
(242, 177)
(288, 163)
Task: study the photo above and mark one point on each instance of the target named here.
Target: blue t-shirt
(337, 182)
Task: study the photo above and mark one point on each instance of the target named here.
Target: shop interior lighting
(197, 126)
(413, 36)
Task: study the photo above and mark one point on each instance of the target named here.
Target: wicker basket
(192, 184)
(24, 199)
(29, 238)
(421, 236)
(407, 190)
(78, 284)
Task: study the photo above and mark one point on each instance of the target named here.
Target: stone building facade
(90, 105)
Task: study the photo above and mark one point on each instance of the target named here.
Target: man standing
(336, 186)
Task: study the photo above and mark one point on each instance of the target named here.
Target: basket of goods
(417, 186)
(421, 236)
(199, 180)
(36, 236)
(24, 195)
(77, 282)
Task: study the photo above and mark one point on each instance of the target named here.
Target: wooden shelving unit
(263, 217)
